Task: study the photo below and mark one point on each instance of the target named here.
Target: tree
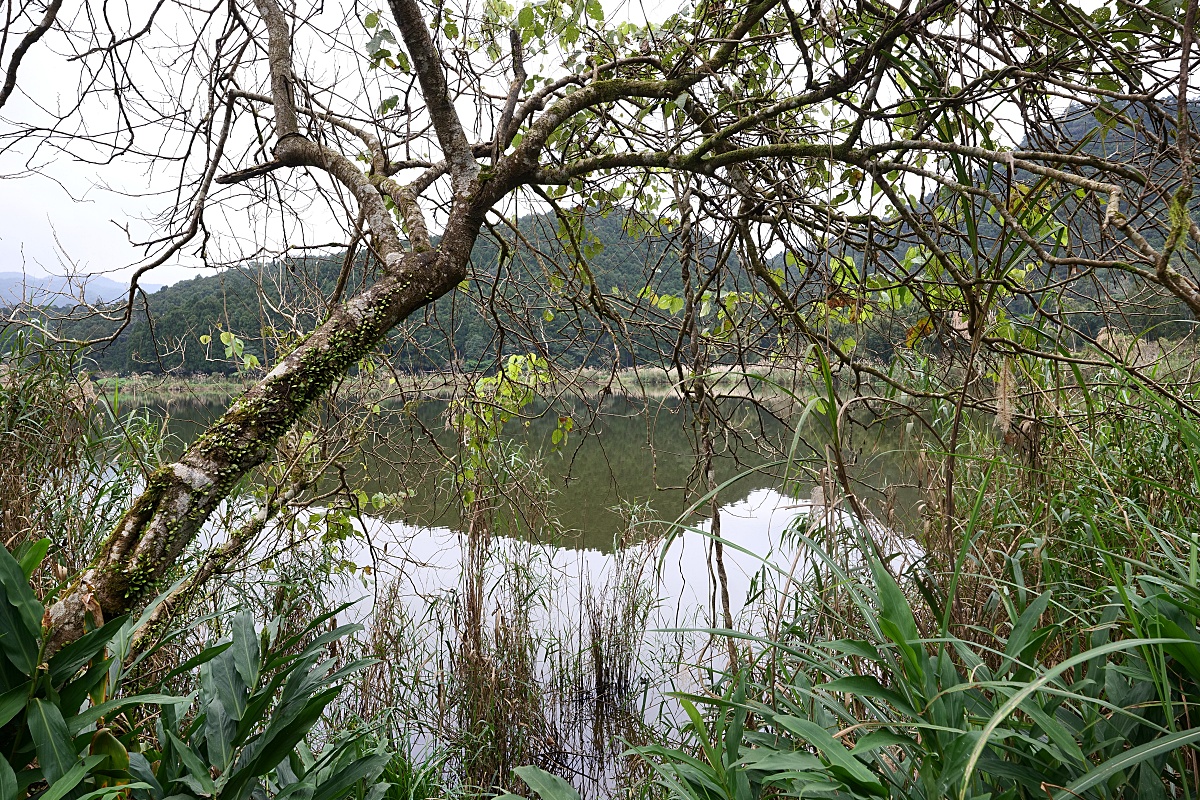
(933, 163)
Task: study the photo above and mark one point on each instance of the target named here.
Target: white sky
(59, 216)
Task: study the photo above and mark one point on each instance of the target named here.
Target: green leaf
(196, 769)
(107, 745)
(363, 769)
(245, 649)
(280, 738)
(20, 615)
(220, 678)
(371, 20)
(110, 791)
(869, 686)
(204, 656)
(12, 701)
(547, 785)
(71, 779)
(388, 104)
(877, 739)
(840, 761)
(55, 751)
(219, 731)
(896, 617)
(854, 647)
(139, 767)
(74, 693)
(8, 781)
(1128, 759)
(782, 761)
(91, 715)
(32, 554)
(72, 658)
(1023, 628)
(525, 17)
(984, 736)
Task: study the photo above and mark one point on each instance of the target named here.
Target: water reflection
(611, 630)
(428, 559)
(623, 454)
(757, 528)
(631, 622)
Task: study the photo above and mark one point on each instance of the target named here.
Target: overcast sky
(59, 216)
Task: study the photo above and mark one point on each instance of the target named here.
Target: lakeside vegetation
(1048, 637)
(439, 487)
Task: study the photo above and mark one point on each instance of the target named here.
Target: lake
(622, 453)
(610, 573)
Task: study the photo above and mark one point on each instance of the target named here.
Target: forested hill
(268, 304)
(533, 294)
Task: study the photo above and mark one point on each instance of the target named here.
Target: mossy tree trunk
(180, 497)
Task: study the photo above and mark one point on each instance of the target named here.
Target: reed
(1049, 648)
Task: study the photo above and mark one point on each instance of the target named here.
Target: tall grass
(1052, 651)
(70, 459)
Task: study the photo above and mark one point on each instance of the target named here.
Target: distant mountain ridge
(56, 290)
(523, 297)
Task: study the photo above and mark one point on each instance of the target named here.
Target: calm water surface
(633, 454)
(625, 453)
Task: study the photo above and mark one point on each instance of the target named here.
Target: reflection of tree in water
(631, 453)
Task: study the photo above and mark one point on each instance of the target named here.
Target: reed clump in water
(517, 671)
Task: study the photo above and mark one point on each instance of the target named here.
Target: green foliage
(545, 785)
(409, 777)
(494, 401)
(1066, 665)
(1087, 703)
(66, 721)
(244, 733)
(47, 733)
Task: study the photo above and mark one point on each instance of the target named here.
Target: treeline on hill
(528, 293)
(591, 290)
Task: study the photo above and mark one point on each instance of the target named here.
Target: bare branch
(27, 41)
(428, 66)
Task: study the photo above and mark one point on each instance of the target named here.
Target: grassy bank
(1037, 635)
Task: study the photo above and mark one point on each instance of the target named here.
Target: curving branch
(427, 64)
(27, 41)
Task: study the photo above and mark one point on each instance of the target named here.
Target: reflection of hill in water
(428, 559)
(588, 480)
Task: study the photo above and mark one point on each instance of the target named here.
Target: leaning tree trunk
(180, 497)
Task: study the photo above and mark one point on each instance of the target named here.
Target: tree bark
(180, 497)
